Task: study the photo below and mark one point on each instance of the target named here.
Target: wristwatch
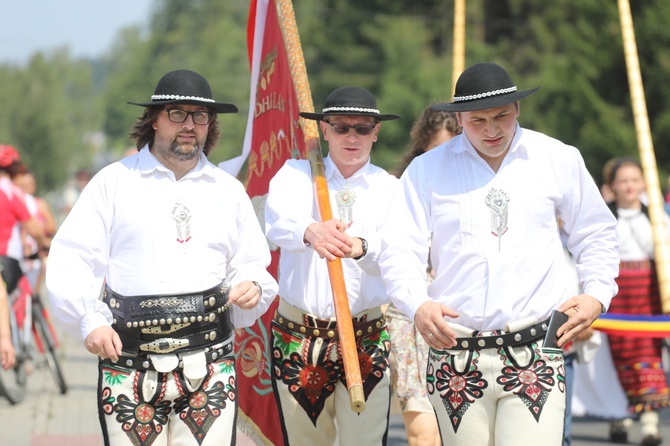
(364, 245)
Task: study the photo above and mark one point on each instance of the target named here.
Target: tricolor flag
(273, 135)
(637, 326)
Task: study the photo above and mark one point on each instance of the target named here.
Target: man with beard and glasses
(161, 257)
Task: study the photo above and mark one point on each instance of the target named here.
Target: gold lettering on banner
(273, 101)
(268, 152)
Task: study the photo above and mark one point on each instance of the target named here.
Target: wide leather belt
(169, 344)
(513, 339)
(181, 322)
(144, 363)
(165, 309)
(210, 321)
(324, 329)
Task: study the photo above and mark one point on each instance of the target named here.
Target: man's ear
(324, 129)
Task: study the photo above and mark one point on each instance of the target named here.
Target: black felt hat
(185, 87)
(350, 101)
(481, 86)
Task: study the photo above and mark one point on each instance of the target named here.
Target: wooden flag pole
(345, 326)
(458, 51)
(647, 157)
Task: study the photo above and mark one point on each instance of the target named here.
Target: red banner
(273, 136)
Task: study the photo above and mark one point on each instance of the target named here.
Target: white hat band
(484, 95)
(174, 97)
(351, 109)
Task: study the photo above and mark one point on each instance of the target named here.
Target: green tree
(48, 112)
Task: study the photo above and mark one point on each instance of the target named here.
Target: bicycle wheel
(49, 346)
(13, 381)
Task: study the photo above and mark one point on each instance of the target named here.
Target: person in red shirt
(13, 210)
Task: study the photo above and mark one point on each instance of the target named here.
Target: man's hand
(429, 320)
(104, 342)
(583, 310)
(245, 295)
(328, 239)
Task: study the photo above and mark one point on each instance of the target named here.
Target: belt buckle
(160, 331)
(164, 345)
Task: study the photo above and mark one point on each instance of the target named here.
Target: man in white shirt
(308, 372)
(488, 201)
(177, 249)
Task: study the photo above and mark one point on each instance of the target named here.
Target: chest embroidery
(182, 217)
(346, 198)
(498, 201)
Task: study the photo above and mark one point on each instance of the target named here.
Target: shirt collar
(148, 163)
(333, 173)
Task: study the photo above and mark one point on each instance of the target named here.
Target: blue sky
(86, 27)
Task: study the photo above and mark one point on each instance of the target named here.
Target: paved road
(47, 418)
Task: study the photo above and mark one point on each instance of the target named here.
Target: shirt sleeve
(591, 230)
(250, 262)
(77, 262)
(19, 207)
(289, 208)
(404, 244)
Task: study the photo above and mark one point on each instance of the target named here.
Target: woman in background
(637, 360)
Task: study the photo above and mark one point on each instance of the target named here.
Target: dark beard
(172, 151)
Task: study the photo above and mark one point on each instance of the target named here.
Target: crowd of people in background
(412, 352)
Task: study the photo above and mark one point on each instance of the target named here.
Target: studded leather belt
(162, 309)
(144, 363)
(325, 329)
(158, 324)
(513, 339)
(178, 342)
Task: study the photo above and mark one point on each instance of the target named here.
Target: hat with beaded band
(350, 101)
(481, 86)
(185, 87)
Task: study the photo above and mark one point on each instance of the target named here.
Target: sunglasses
(343, 129)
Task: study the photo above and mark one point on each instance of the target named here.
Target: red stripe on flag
(251, 31)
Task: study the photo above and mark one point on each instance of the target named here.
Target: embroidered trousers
(506, 396)
(310, 386)
(149, 408)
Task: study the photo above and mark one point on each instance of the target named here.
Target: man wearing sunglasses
(307, 368)
(176, 247)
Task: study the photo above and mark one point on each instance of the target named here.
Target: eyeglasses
(178, 116)
(343, 129)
